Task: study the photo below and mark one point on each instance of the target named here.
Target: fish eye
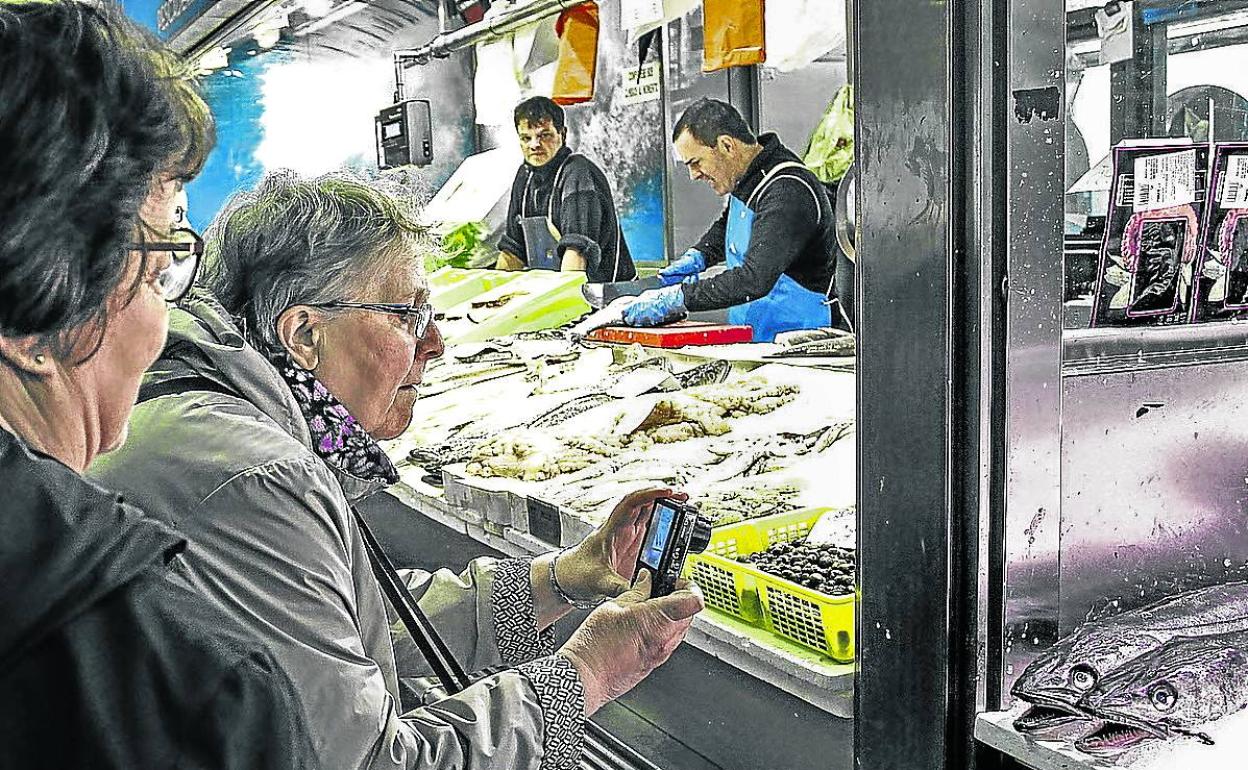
(1163, 696)
(1082, 678)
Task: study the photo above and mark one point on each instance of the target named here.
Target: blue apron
(789, 305)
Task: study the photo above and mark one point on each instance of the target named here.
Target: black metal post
(743, 93)
(1137, 85)
(924, 135)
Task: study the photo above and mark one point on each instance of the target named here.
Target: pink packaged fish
(1152, 235)
(1221, 286)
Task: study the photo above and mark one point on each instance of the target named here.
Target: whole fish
(710, 373)
(486, 356)
(1186, 683)
(454, 450)
(1056, 681)
(841, 345)
(569, 409)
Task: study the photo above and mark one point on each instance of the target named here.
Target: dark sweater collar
(772, 154)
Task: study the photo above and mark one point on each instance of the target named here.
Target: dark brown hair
(93, 109)
(708, 119)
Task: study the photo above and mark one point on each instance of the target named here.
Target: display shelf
(812, 678)
(1229, 736)
(996, 729)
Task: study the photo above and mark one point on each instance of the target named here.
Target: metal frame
(1035, 172)
(959, 202)
(927, 191)
(485, 30)
(743, 93)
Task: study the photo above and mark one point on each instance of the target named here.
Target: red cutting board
(675, 335)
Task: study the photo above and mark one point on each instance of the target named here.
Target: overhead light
(317, 8)
(1232, 20)
(267, 38)
(215, 59)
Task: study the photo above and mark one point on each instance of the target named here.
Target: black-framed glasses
(186, 248)
(416, 317)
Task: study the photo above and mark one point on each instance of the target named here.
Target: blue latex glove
(656, 307)
(685, 269)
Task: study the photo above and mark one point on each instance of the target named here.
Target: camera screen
(660, 531)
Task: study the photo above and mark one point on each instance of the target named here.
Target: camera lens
(701, 536)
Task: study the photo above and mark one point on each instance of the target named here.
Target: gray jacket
(273, 537)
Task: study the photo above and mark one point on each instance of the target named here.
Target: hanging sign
(641, 85)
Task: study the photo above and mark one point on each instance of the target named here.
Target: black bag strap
(426, 637)
(441, 660)
(177, 385)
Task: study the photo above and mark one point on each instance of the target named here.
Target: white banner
(636, 13)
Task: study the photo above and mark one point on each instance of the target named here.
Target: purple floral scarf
(337, 438)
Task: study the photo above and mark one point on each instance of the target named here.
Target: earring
(41, 359)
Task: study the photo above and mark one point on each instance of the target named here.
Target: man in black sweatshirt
(776, 235)
(561, 215)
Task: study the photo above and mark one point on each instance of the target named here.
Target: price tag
(1165, 181)
(1234, 192)
(635, 13)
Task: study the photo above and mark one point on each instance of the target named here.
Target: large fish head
(1186, 683)
(1058, 680)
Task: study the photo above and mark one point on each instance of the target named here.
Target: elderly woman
(260, 431)
(108, 658)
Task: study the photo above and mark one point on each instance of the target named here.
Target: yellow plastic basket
(730, 586)
(812, 619)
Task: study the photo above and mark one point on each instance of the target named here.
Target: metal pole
(398, 78)
(486, 30)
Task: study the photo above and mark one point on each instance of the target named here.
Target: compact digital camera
(675, 530)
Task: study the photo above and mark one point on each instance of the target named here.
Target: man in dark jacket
(561, 215)
(777, 234)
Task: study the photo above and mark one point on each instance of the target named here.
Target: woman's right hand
(623, 640)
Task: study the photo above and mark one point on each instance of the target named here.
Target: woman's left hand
(602, 565)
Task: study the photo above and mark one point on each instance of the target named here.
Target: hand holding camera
(604, 564)
(622, 641)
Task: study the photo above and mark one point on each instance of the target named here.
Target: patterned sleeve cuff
(515, 617)
(562, 699)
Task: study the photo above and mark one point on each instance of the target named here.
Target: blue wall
(142, 11)
(234, 96)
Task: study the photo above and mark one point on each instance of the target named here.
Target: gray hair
(296, 241)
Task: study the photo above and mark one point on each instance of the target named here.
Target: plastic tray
(532, 301)
(731, 586)
(451, 286)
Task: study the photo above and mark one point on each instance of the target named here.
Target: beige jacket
(272, 536)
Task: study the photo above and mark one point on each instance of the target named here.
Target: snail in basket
(825, 568)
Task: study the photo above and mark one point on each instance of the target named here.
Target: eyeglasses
(186, 248)
(416, 317)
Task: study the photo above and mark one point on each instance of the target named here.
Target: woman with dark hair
(305, 347)
(108, 658)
